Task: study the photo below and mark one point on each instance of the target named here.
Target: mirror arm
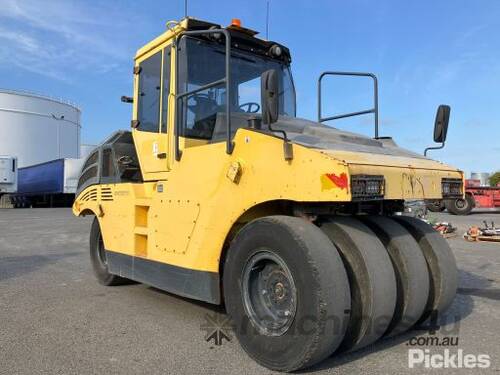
(127, 99)
(433, 148)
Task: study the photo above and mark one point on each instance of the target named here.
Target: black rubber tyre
(435, 206)
(317, 286)
(98, 258)
(412, 276)
(371, 278)
(460, 206)
(440, 263)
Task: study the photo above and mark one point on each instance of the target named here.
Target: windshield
(202, 62)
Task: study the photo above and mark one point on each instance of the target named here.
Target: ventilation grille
(106, 194)
(90, 195)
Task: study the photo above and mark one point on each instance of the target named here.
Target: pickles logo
(217, 328)
(422, 358)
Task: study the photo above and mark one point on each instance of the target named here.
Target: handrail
(373, 110)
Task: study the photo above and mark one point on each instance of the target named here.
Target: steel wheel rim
(269, 293)
(461, 203)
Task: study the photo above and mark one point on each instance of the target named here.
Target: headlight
(452, 188)
(366, 187)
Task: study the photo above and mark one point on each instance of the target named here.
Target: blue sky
(425, 53)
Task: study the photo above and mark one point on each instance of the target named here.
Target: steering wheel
(250, 105)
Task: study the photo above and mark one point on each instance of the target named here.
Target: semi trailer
(220, 193)
(49, 184)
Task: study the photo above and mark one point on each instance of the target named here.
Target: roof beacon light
(236, 22)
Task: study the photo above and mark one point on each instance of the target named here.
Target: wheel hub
(461, 203)
(269, 294)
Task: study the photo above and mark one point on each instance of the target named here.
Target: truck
(476, 196)
(8, 179)
(220, 193)
(8, 174)
(49, 184)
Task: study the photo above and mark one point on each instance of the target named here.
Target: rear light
(367, 187)
(452, 188)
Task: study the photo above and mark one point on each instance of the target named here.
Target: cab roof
(241, 38)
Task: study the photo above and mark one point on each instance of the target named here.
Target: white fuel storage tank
(37, 128)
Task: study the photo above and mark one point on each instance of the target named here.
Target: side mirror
(441, 123)
(440, 127)
(269, 96)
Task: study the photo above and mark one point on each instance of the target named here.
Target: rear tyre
(99, 260)
(371, 277)
(441, 264)
(410, 267)
(286, 289)
(460, 206)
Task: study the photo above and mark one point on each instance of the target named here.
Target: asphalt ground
(56, 319)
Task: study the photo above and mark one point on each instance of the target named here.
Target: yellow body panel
(184, 220)
(406, 178)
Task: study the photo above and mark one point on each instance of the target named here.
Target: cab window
(149, 94)
(199, 111)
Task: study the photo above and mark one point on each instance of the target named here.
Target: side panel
(181, 281)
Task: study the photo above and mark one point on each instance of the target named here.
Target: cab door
(151, 108)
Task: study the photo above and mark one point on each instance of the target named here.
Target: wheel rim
(269, 293)
(461, 204)
(101, 252)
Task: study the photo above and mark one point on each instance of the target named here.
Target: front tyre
(435, 205)
(287, 291)
(99, 260)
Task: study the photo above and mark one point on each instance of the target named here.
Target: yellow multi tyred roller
(220, 193)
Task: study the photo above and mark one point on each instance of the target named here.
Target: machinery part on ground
(435, 205)
(371, 279)
(286, 268)
(460, 206)
(487, 233)
(410, 267)
(444, 228)
(98, 258)
(440, 262)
